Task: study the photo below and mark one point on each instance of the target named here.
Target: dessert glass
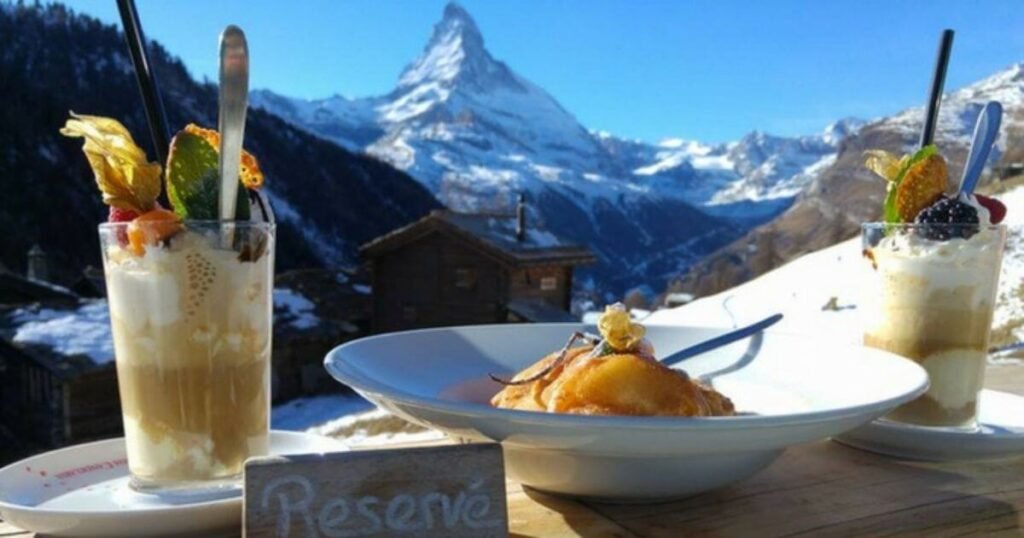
(191, 320)
(932, 300)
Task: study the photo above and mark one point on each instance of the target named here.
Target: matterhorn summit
(455, 55)
(456, 90)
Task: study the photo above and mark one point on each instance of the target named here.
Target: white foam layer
(916, 266)
(193, 292)
(955, 376)
(141, 295)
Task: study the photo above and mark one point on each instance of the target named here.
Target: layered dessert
(190, 309)
(615, 373)
(191, 326)
(932, 287)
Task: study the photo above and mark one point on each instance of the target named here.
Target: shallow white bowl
(800, 390)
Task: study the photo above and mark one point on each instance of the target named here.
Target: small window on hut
(465, 278)
(549, 283)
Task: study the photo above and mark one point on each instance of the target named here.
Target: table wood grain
(815, 489)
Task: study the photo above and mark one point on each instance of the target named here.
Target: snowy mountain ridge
(845, 193)
(457, 81)
(476, 133)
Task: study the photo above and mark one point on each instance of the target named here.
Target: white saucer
(1000, 434)
(83, 490)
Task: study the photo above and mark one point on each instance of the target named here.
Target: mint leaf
(889, 211)
(193, 180)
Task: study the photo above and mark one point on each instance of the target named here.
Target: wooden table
(812, 490)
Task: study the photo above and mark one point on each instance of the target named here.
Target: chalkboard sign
(434, 491)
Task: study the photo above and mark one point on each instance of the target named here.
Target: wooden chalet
(453, 268)
(18, 289)
(48, 399)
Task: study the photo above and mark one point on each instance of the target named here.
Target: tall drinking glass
(930, 297)
(191, 320)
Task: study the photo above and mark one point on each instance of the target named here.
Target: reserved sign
(433, 491)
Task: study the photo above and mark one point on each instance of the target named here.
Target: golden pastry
(614, 375)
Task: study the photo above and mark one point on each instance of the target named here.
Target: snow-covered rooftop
(295, 309)
(84, 330)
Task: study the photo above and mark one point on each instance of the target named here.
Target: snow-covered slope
(477, 133)
(803, 287)
(351, 123)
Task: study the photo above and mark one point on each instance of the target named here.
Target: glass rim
(207, 223)
(920, 225)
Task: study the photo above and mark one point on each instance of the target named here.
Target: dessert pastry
(615, 374)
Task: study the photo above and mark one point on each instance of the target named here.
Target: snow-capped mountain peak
(840, 129)
(455, 54)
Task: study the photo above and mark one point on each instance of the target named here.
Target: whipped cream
(984, 216)
(935, 264)
(151, 300)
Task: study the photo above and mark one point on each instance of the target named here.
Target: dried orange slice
(921, 179)
(249, 171)
(921, 185)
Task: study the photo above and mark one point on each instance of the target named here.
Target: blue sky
(700, 69)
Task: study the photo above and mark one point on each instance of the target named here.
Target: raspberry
(947, 211)
(118, 214)
(996, 209)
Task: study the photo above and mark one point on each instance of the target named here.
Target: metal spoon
(985, 133)
(754, 329)
(234, 100)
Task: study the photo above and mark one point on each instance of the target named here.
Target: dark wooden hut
(453, 268)
(48, 399)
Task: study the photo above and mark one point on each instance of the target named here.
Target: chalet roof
(15, 288)
(492, 232)
(63, 355)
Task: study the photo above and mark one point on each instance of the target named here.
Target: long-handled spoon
(754, 329)
(985, 132)
(722, 340)
(234, 100)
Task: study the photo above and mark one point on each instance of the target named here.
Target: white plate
(1000, 434)
(83, 490)
(801, 389)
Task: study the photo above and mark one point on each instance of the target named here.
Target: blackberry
(944, 211)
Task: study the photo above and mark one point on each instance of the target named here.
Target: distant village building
(314, 311)
(1010, 170)
(91, 283)
(453, 268)
(37, 266)
(49, 399)
(31, 287)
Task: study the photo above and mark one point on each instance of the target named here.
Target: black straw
(154, 106)
(938, 81)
